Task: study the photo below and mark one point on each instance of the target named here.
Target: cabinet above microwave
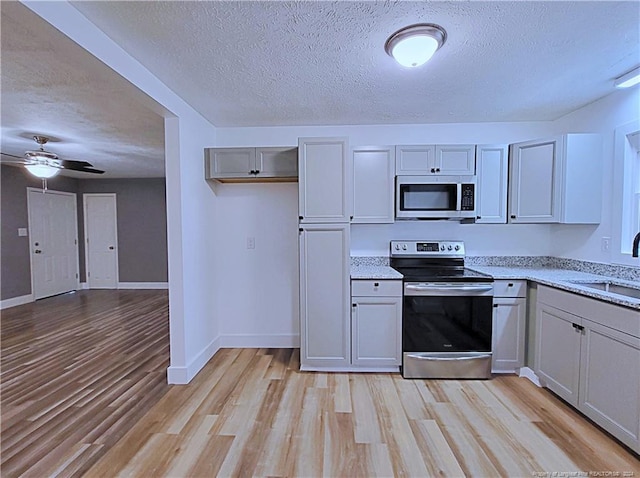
(455, 159)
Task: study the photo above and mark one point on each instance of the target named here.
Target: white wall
(257, 289)
(602, 116)
(191, 205)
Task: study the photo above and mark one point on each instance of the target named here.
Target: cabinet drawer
(510, 288)
(376, 288)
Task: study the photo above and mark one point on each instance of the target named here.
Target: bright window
(627, 191)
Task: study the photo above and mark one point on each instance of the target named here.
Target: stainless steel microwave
(435, 197)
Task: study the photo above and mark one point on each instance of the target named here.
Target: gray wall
(142, 227)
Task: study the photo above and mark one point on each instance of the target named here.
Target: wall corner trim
(15, 301)
(183, 375)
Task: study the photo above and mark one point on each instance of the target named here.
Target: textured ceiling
(53, 87)
(320, 63)
(303, 63)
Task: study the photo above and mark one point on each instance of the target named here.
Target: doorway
(101, 240)
(53, 242)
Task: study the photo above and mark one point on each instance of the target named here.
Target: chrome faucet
(636, 243)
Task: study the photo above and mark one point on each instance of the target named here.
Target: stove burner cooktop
(433, 261)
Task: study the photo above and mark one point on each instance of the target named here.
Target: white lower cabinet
(325, 332)
(509, 325)
(376, 323)
(588, 353)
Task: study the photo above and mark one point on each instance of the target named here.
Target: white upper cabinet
(324, 180)
(372, 184)
(457, 159)
(558, 180)
(492, 168)
(251, 164)
(441, 159)
(277, 162)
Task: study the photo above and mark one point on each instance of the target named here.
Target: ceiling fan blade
(81, 168)
(70, 163)
(13, 156)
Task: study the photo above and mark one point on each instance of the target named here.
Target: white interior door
(101, 240)
(53, 226)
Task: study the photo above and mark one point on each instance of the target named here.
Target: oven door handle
(449, 289)
(472, 357)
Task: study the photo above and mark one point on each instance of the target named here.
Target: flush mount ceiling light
(414, 45)
(628, 79)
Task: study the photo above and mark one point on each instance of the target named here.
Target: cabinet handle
(433, 170)
(354, 305)
(300, 217)
(301, 230)
(437, 170)
(579, 328)
(495, 306)
(510, 284)
(513, 216)
(257, 171)
(478, 217)
(376, 284)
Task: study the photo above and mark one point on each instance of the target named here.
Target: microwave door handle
(459, 197)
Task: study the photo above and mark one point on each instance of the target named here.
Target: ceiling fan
(45, 164)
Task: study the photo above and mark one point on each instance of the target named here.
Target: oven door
(446, 330)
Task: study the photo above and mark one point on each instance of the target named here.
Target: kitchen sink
(607, 286)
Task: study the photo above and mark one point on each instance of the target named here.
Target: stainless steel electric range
(446, 312)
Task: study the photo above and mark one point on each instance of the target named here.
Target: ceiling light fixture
(42, 171)
(414, 45)
(628, 79)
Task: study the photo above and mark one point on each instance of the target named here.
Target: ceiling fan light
(42, 171)
(414, 45)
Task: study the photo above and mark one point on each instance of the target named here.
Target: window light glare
(628, 79)
(42, 171)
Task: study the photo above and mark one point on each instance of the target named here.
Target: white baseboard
(253, 341)
(526, 372)
(83, 286)
(183, 375)
(15, 301)
(143, 285)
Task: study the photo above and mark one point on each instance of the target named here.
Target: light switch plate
(605, 245)
(251, 242)
(22, 232)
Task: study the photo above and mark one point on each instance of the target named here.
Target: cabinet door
(373, 185)
(376, 331)
(324, 180)
(277, 162)
(509, 324)
(492, 167)
(230, 162)
(558, 351)
(458, 159)
(535, 181)
(609, 381)
(324, 296)
(415, 160)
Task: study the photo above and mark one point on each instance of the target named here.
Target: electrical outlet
(22, 231)
(605, 244)
(251, 242)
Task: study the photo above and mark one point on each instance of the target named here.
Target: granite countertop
(564, 279)
(374, 272)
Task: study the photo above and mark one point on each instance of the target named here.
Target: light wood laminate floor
(250, 412)
(77, 372)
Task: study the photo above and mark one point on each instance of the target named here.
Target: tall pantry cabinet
(324, 213)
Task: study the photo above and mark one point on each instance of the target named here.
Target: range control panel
(427, 248)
